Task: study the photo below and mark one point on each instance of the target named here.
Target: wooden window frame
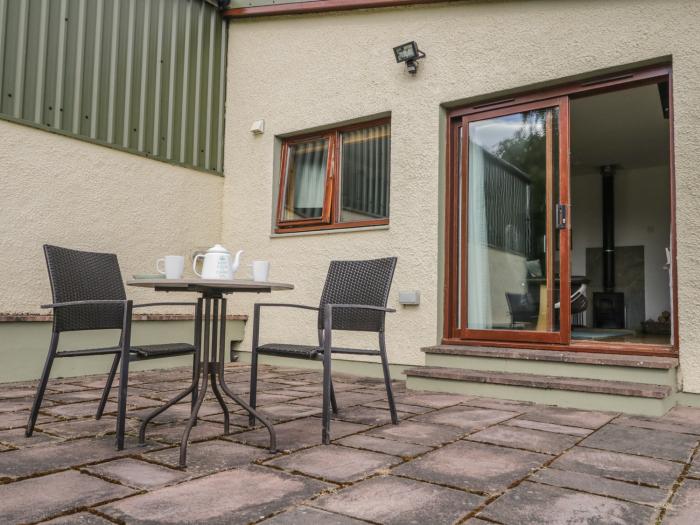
(453, 333)
(330, 219)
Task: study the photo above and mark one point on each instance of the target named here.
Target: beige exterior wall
(304, 72)
(72, 193)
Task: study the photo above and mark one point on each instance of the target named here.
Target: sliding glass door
(511, 224)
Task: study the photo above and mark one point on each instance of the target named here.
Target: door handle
(562, 219)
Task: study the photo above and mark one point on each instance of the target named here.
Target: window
(335, 179)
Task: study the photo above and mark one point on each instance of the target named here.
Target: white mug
(261, 270)
(173, 266)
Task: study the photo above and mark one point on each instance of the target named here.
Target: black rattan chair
(88, 294)
(354, 298)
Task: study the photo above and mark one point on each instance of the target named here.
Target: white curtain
(478, 278)
(310, 170)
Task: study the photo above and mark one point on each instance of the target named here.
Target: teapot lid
(217, 248)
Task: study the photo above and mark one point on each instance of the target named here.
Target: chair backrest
(358, 282)
(520, 307)
(82, 276)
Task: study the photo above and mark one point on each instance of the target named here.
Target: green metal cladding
(146, 76)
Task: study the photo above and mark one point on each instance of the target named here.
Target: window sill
(327, 230)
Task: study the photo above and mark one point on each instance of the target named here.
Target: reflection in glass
(305, 180)
(511, 162)
(364, 173)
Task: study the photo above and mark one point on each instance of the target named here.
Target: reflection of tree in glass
(527, 149)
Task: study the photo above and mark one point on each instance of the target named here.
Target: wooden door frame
(456, 119)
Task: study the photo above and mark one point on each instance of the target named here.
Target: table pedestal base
(210, 368)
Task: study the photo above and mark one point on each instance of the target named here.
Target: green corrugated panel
(147, 76)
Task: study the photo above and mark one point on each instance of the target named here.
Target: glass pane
(305, 180)
(512, 171)
(365, 173)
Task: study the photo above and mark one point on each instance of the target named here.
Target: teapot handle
(194, 264)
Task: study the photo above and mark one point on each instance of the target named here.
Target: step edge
(595, 386)
(589, 358)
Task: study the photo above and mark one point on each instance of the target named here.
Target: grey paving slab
(80, 518)
(77, 428)
(335, 463)
(396, 501)
(17, 439)
(684, 416)
(616, 465)
(9, 392)
(386, 446)
(309, 515)
(473, 466)
(234, 496)
(51, 457)
(297, 434)
(431, 399)
(85, 409)
(346, 399)
(526, 439)
(288, 411)
(418, 433)
(545, 505)
(10, 420)
(78, 396)
(403, 407)
(44, 497)
(210, 456)
(646, 442)
(500, 404)
(684, 508)
(17, 404)
(570, 417)
(368, 415)
(657, 424)
(466, 418)
(602, 486)
(172, 433)
(137, 474)
(549, 427)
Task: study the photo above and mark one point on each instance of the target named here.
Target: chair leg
(108, 387)
(41, 387)
(253, 386)
(124, 375)
(334, 404)
(387, 379)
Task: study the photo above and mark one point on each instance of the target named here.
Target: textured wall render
(300, 72)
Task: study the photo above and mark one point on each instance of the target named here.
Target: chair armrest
(164, 304)
(362, 307)
(85, 303)
(286, 305)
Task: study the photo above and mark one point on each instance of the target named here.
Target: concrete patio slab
(602, 486)
(431, 399)
(396, 501)
(51, 457)
(367, 415)
(137, 474)
(570, 417)
(236, 496)
(548, 427)
(467, 418)
(17, 439)
(288, 411)
(644, 442)
(418, 433)
(80, 518)
(544, 505)
(657, 424)
(309, 515)
(172, 433)
(297, 434)
(209, 456)
(335, 463)
(403, 407)
(526, 439)
(473, 466)
(83, 427)
(9, 420)
(386, 446)
(47, 496)
(684, 508)
(625, 467)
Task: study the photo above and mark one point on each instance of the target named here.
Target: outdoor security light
(410, 54)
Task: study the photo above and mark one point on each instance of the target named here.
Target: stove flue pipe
(608, 178)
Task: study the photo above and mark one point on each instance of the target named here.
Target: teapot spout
(236, 261)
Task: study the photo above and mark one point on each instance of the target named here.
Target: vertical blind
(146, 76)
(365, 172)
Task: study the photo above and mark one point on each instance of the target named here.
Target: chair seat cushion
(163, 350)
(281, 349)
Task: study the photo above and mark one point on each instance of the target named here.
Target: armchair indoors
(354, 298)
(88, 294)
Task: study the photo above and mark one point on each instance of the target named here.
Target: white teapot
(218, 263)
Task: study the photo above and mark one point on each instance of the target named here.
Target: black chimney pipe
(608, 177)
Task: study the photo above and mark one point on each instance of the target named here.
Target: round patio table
(211, 317)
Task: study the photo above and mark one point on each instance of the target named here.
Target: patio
(453, 459)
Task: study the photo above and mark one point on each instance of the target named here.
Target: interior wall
(642, 218)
